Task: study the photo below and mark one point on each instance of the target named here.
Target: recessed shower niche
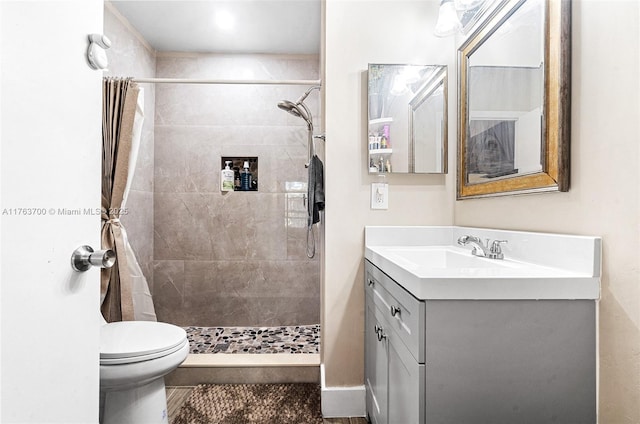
(245, 178)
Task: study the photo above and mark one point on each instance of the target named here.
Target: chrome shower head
(297, 109)
(290, 107)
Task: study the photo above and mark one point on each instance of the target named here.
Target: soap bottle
(226, 177)
(236, 176)
(245, 177)
(385, 136)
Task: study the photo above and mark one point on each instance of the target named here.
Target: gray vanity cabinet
(476, 361)
(395, 379)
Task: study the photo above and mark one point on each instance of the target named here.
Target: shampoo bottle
(245, 177)
(385, 136)
(226, 177)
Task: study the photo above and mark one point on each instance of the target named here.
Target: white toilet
(134, 358)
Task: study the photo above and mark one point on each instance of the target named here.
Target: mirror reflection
(427, 126)
(407, 118)
(505, 88)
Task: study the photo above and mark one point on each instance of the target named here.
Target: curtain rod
(224, 81)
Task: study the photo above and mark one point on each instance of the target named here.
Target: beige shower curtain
(124, 291)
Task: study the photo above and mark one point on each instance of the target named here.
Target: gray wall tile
(242, 253)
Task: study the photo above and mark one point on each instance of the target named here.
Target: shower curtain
(124, 290)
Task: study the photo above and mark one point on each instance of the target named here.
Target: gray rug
(292, 403)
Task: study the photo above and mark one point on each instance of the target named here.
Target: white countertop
(427, 262)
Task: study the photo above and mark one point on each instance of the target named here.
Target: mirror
(407, 130)
(514, 101)
(470, 12)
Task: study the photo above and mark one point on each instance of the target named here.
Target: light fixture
(448, 22)
(411, 74)
(399, 86)
(225, 20)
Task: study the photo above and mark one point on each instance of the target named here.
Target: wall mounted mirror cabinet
(407, 130)
(514, 105)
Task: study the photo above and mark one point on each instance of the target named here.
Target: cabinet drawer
(403, 313)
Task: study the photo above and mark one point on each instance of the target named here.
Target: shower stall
(233, 267)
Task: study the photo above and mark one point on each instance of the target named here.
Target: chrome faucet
(482, 250)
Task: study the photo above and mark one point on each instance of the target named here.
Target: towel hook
(96, 55)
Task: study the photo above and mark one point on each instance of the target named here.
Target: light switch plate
(379, 196)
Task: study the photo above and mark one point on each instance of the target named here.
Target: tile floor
(177, 395)
(292, 339)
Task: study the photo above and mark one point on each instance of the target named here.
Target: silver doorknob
(84, 257)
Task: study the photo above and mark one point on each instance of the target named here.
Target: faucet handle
(496, 251)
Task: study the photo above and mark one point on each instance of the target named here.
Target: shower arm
(306, 93)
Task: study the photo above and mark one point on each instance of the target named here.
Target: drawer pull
(395, 311)
(371, 283)
(380, 332)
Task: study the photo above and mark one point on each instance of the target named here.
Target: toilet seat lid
(130, 339)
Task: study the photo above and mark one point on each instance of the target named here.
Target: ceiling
(227, 26)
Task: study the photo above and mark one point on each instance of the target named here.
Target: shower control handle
(84, 257)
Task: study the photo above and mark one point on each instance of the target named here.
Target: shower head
(299, 109)
(290, 107)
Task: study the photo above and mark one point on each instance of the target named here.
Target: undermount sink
(427, 262)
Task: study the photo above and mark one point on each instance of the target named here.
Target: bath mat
(291, 403)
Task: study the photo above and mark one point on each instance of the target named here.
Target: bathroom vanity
(451, 337)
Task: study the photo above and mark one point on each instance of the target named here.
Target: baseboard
(338, 402)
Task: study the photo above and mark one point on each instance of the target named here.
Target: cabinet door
(376, 360)
(406, 379)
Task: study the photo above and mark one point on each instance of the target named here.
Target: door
(376, 360)
(50, 135)
(406, 383)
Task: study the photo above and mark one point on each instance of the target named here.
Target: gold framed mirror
(514, 104)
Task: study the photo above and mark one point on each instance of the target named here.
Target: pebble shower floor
(294, 339)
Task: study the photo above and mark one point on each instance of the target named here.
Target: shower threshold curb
(231, 360)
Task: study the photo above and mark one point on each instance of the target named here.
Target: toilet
(134, 358)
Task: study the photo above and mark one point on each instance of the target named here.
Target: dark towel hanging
(315, 190)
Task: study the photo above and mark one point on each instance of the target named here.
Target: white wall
(604, 196)
(358, 33)
(51, 148)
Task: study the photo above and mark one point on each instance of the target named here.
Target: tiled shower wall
(129, 56)
(234, 258)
